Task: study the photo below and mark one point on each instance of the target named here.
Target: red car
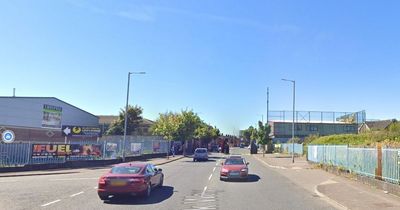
(234, 167)
(130, 179)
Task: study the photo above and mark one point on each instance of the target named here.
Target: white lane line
(51, 203)
(73, 195)
(95, 188)
(209, 178)
(214, 169)
(204, 191)
(8, 181)
(73, 179)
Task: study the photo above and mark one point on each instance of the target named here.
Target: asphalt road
(187, 185)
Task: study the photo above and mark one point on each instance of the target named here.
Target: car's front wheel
(103, 197)
(148, 191)
(161, 182)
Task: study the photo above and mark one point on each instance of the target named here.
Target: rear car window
(126, 170)
(234, 161)
(201, 151)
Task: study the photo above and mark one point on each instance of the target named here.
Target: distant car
(200, 154)
(130, 179)
(234, 167)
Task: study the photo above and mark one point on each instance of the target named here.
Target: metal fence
(20, 154)
(363, 161)
(288, 148)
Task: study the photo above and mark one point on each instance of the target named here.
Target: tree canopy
(183, 126)
(134, 119)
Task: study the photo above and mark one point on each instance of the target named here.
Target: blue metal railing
(363, 161)
(288, 148)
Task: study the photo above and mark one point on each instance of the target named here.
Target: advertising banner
(65, 150)
(156, 146)
(136, 148)
(111, 147)
(74, 130)
(51, 116)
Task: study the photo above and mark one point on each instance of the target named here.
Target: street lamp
(126, 113)
(294, 102)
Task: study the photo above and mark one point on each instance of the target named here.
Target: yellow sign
(76, 130)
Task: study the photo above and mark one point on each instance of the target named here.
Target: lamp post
(126, 113)
(294, 102)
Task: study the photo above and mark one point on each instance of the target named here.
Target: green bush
(391, 138)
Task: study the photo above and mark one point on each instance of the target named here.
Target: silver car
(200, 154)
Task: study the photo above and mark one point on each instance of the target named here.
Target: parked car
(234, 167)
(130, 179)
(200, 154)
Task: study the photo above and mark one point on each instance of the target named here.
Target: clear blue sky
(215, 57)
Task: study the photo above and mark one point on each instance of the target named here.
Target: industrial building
(40, 119)
(308, 123)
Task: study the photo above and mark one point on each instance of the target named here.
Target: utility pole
(294, 111)
(267, 104)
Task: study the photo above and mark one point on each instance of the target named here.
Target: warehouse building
(40, 119)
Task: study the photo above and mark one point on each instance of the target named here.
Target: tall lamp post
(294, 102)
(126, 113)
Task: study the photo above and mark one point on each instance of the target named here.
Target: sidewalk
(155, 161)
(341, 192)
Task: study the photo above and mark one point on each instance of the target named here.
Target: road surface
(187, 185)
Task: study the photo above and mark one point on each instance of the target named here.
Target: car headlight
(224, 170)
(244, 170)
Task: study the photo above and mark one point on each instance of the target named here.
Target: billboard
(136, 148)
(156, 146)
(65, 150)
(74, 130)
(51, 116)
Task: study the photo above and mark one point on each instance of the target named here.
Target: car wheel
(161, 182)
(103, 197)
(194, 160)
(148, 190)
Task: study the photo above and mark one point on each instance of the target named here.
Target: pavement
(187, 185)
(155, 161)
(341, 192)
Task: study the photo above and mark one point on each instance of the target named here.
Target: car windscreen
(234, 161)
(201, 151)
(125, 170)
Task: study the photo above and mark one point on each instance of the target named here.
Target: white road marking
(73, 179)
(95, 188)
(209, 178)
(76, 194)
(51, 203)
(204, 191)
(8, 181)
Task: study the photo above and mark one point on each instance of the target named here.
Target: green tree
(263, 138)
(134, 119)
(167, 125)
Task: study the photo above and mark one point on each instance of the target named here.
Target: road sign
(74, 130)
(8, 136)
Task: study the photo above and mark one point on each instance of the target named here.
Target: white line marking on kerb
(204, 191)
(214, 169)
(51, 203)
(76, 194)
(209, 178)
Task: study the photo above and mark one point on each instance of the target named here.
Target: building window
(349, 128)
(299, 127)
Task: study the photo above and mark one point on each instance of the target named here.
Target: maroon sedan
(130, 179)
(234, 168)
